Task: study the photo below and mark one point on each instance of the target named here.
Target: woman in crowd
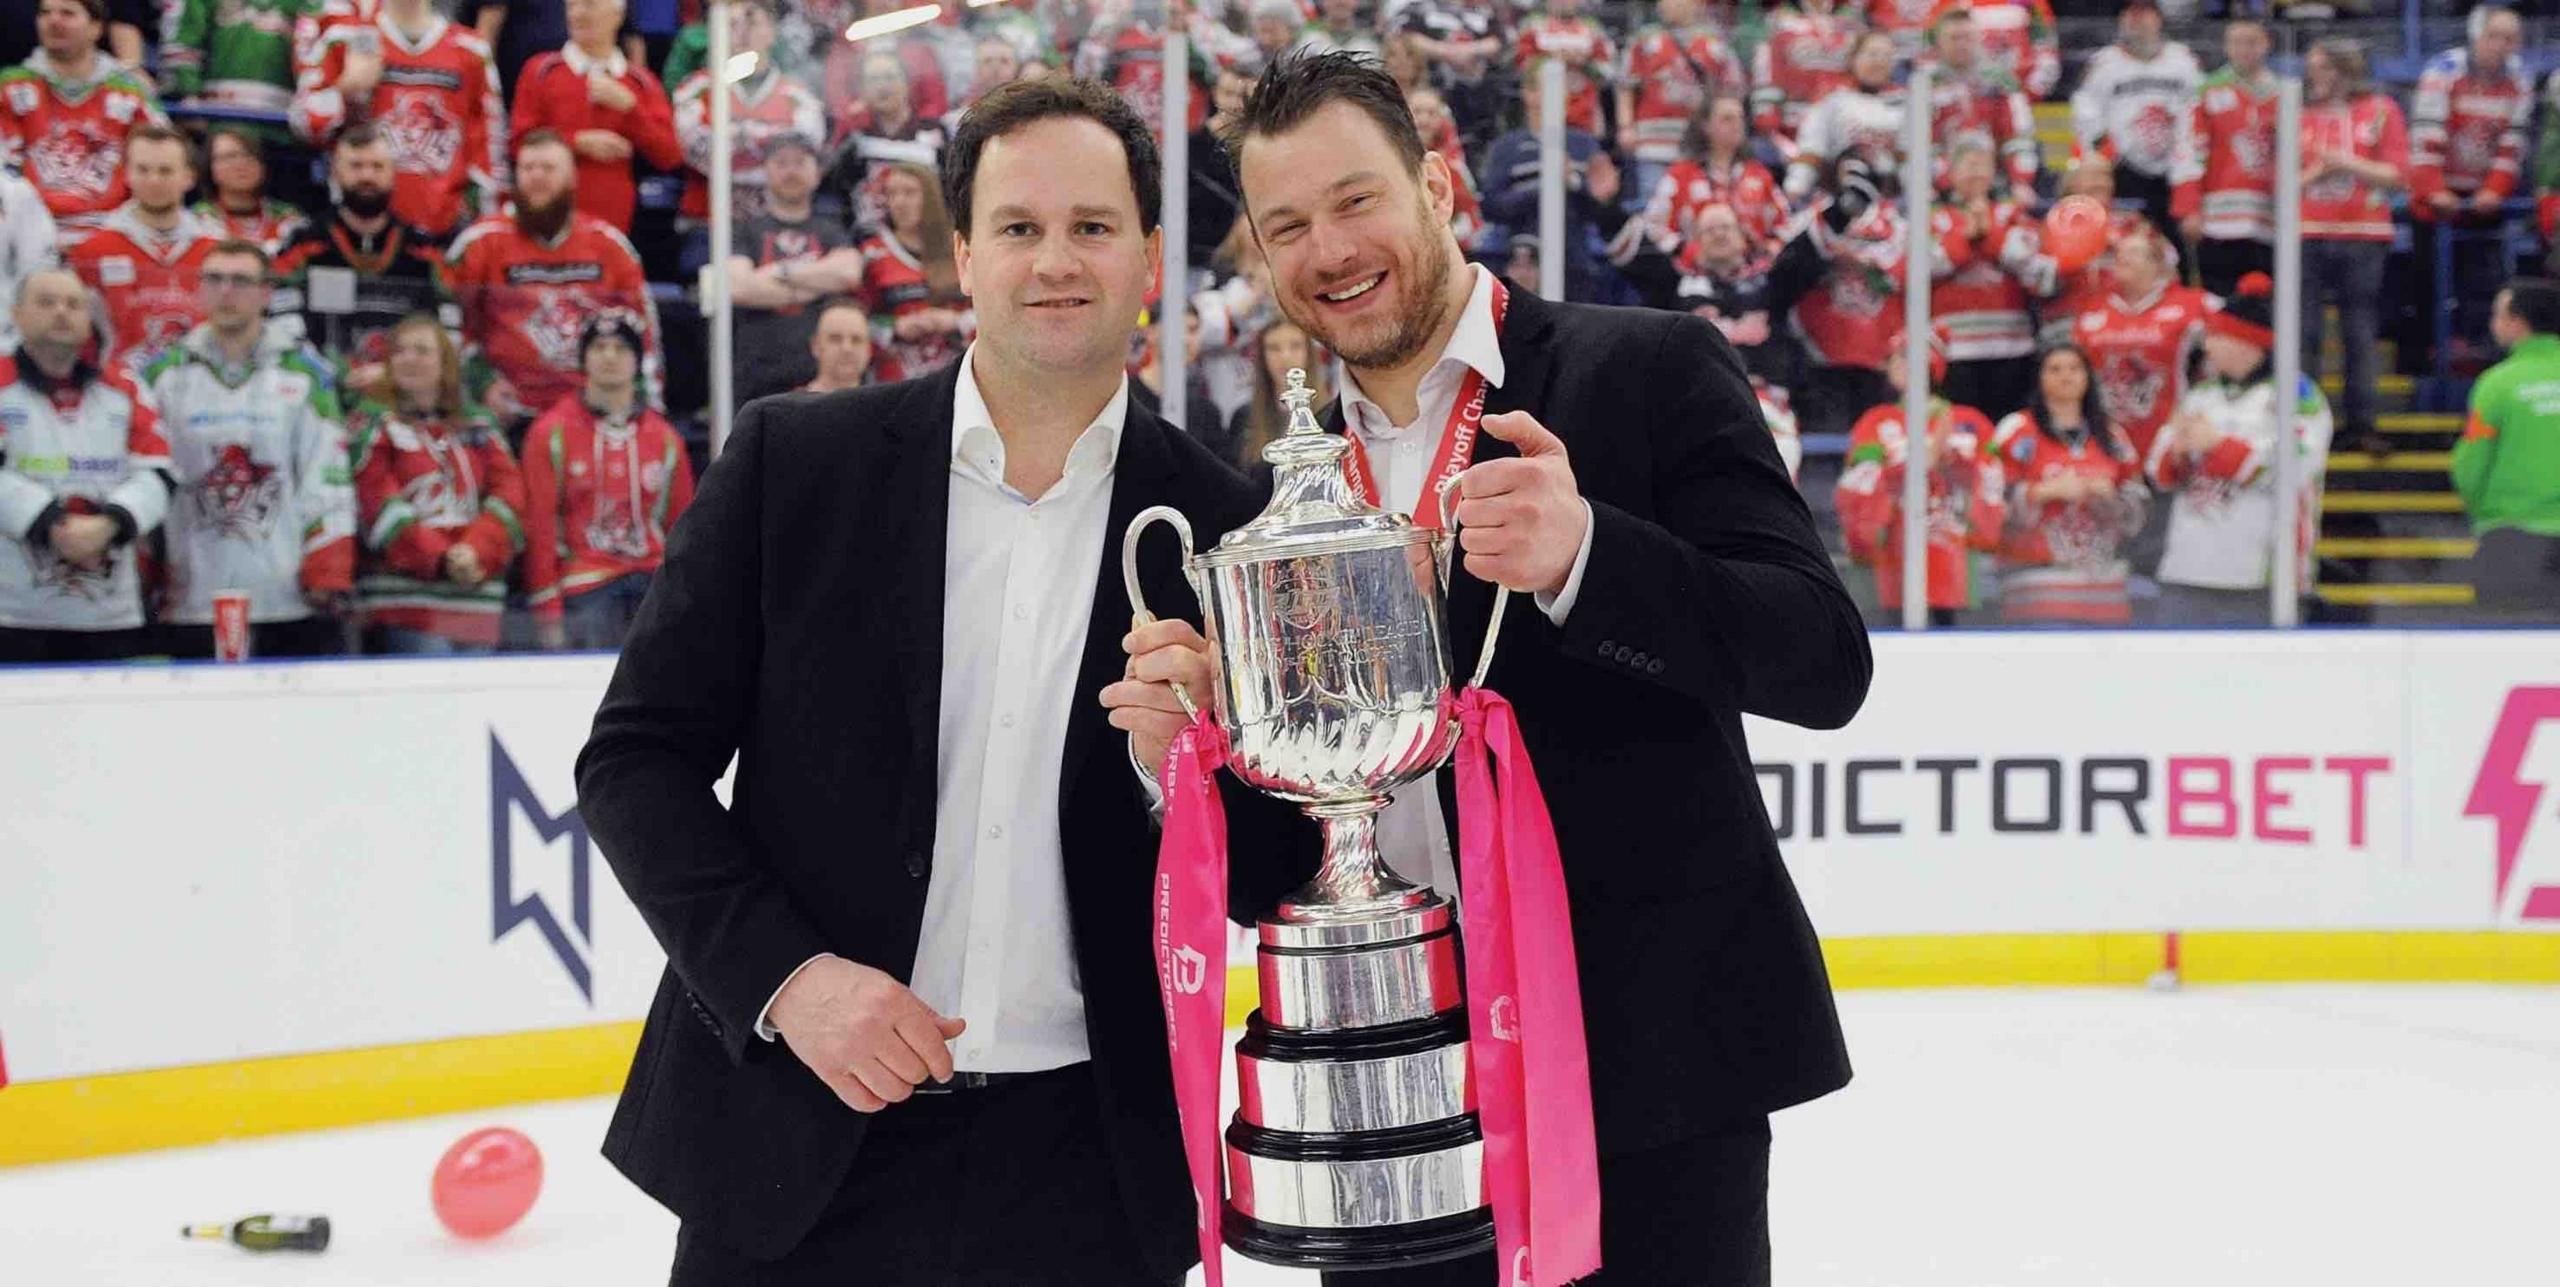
(2217, 458)
(1280, 348)
(438, 501)
(910, 283)
(1715, 168)
(2076, 496)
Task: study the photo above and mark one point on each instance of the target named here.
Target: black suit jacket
(1707, 595)
(797, 623)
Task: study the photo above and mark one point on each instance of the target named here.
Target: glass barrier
(2102, 452)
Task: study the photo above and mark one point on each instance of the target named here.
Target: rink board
(277, 897)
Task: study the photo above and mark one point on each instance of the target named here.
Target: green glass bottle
(269, 1233)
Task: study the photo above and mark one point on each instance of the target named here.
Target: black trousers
(2221, 264)
(2152, 193)
(1831, 398)
(2517, 576)
(313, 636)
(1993, 386)
(1007, 1186)
(30, 647)
(1693, 1213)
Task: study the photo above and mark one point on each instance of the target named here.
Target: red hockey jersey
(271, 225)
(1989, 106)
(2225, 168)
(2063, 560)
(599, 500)
(523, 301)
(1673, 72)
(893, 285)
(761, 107)
(1907, 21)
(2021, 36)
(1968, 499)
(2143, 352)
(146, 282)
(1805, 57)
(2466, 129)
(1691, 186)
(2338, 206)
(422, 486)
(437, 104)
(1984, 302)
(1851, 317)
(551, 93)
(1584, 46)
(2079, 292)
(67, 138)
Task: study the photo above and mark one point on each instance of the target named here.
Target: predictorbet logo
(2509, 793)
(509, 796)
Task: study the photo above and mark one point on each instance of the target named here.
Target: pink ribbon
(1524, 1009)
(1532, 1075)
(1191, 959)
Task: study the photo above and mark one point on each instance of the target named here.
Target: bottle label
(289, 1224)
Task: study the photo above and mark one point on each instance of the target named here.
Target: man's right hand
(864, 1034)
(2193, 226)
(363, 71)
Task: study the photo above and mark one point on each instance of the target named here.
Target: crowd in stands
(355, 305)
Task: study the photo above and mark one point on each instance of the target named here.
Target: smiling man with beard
(1624, 481)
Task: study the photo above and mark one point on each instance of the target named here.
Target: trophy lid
(1313, 507)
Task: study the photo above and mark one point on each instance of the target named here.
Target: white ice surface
(2247, 1136)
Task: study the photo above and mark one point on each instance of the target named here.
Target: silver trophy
(1355, 1144)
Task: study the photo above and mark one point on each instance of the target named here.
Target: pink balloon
(486, 1182)
(2075, 232)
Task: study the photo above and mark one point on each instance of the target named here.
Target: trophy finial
(1300, 400)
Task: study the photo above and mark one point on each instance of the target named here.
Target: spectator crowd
(355, 306)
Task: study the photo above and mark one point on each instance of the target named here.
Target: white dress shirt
(1410, 833)
(1018, 586)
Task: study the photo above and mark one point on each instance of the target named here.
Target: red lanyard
(1457, 440)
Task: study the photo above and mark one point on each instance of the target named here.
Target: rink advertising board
(325, 892)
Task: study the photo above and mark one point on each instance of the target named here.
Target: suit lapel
(1140, 477)
(918, 500)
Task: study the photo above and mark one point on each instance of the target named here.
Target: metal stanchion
(1553, 165)
(1173, 301)
(2285, 582)
(1915, 353)
(715, 298)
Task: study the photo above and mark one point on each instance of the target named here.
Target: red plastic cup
(231, 625)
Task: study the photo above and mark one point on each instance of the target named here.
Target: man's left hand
(1520, 521)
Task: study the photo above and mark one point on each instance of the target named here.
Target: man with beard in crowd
(528, 281)
(354, 273)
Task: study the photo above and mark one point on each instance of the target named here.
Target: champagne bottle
(269, 1233)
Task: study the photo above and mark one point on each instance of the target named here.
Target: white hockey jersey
(26, 244)
(85, 443)
(2135, 105)
(2222, 524)
(265, 503)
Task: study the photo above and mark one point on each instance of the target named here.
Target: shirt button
(916, 863)
(1005, 720)
(1022, 612)
(996, 832)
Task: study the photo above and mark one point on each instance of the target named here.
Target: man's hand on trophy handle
(1520, 521)
(1146, 705)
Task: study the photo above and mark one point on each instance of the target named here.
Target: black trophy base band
(1262, 1040)
(1401, 1246)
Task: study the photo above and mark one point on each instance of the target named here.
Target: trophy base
(1346, 1250)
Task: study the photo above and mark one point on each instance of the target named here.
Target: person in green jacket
(2507, 465)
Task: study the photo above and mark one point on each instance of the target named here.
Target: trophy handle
(1129, 574)
(1447, 543)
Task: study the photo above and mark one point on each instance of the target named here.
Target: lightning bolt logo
(2501, 793)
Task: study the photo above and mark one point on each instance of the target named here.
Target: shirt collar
(976, 446)
(1474, 344)
(614, 65)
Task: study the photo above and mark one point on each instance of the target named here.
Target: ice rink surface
(2244, 1135)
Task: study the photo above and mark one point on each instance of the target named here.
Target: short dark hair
(360, 135)
(841, 304)
(2535, 301)
(545, 137)
(1009, 107)
(243, 246)
(155, 132)
(97, 10)
(1298, 84)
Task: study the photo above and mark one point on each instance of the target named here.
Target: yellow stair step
(2408, 595)
(2418, 422)
(2365, 462)
(2396, 547)
(2391, 503)
(2391, 385)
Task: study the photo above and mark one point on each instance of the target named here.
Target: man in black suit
(909, 1031)
(1626, 482)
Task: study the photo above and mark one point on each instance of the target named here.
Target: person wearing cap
(605, 479)
(1968, 503)
(765, 104)
(2217, 461)
(782, 263)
